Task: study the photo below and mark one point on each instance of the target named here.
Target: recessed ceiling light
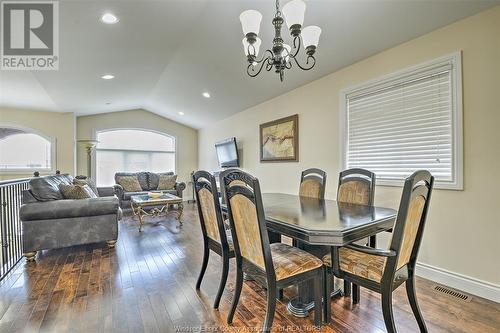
(206, 94)
(108, 77)
(109, 18)
(180, 113)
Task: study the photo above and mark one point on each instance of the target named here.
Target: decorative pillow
(76, 191)
(129, 183)
(167, 182)
(86, 181)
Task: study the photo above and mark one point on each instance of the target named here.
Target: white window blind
(405, 123)
(132, 150)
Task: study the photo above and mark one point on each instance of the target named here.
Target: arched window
(132, 150)
(23, 151)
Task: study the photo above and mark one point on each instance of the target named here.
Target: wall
(463, 226)
(60, 126)
(186, 137)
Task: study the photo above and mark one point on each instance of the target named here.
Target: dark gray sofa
(51, 222)
(149, 183)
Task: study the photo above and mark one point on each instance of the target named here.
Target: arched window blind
(22, 151)
(404, 124)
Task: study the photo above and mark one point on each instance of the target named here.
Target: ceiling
(164, 54)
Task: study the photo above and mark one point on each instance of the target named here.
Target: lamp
(310, 38)
(294, 12)
(250, 23)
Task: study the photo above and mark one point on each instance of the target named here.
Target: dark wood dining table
(315, 225)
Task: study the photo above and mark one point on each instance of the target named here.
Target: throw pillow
(86, 181)
(129, 183)
(76, 191)
(167, 182)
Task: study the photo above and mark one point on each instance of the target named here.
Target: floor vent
(453, 293)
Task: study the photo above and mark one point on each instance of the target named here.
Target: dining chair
(215, 235)
(274, 265)
(385, 270)
(313, 183)
(356, 186)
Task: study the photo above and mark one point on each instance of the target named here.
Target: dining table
(316, 225)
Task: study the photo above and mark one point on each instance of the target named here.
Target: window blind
(397, 127)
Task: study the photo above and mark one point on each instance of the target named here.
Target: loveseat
(49, 221)
(148, 182)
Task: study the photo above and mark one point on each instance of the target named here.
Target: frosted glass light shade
(250, 21)
(294, 12)
(286, 52)
(310, 35)
(256, 46)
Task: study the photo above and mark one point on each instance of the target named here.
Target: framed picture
(279, 140)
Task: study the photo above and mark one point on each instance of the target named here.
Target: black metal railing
(10, 225)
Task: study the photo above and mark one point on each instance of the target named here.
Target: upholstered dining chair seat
(289, 260)
(361, 264)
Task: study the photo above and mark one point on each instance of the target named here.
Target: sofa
(148, 182)
(49, 221)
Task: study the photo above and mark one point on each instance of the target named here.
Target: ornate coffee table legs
(180, 210)
(138, 211)
(141, 213)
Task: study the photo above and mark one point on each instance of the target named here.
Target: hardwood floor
(147, 284)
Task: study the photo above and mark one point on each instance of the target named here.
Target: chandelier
(281, 56)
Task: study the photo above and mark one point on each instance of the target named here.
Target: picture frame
(279, 140)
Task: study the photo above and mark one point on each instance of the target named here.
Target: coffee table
(157, 206)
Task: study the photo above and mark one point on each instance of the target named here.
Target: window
(132, 150)
(23, 151)
(409, 121)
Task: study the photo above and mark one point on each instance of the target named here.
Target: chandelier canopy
(281, 55)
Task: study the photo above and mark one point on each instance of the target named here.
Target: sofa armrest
(179, 187)
(58, 209)
(107, 191)
(119, 191)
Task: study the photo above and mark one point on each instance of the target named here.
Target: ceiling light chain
(281, 55)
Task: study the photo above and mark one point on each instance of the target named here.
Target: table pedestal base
(296, 307)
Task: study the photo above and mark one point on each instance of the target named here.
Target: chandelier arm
(295, 47)
(250, 69)
(288, 65)
(269, 64)
(306, 68)
(265, 58)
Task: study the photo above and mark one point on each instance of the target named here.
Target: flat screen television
(227, 153)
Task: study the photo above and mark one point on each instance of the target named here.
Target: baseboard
(458, 281)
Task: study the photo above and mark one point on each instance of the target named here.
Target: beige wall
(186, 137)
(463, 229)
(59, 126)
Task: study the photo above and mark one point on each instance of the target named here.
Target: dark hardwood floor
(147, 284)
